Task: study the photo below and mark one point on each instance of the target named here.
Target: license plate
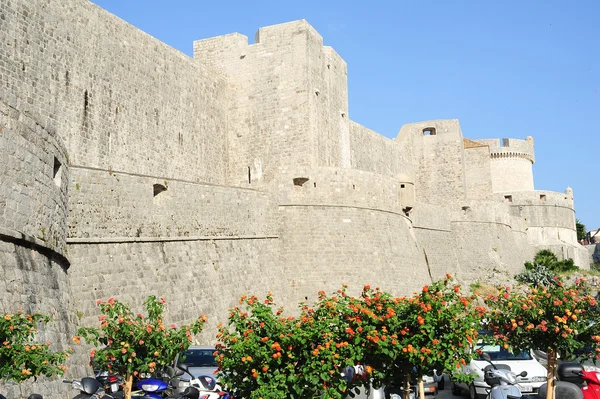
(525, 388)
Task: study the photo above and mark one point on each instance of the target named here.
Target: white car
(524, 361)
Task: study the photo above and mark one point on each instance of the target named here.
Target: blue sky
(503, 68)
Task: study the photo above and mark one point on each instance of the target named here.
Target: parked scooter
(111, 383)
(88, 387)
(32, 396)
(206, 385)
(151, 388)
(502, 381)
(574, 382)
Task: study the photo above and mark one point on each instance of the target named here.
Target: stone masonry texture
(129, 169)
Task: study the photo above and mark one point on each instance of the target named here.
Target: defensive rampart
(33, 208)
(236, 172)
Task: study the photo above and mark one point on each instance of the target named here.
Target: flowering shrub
(134, 344)
(554, 318)
(21, 357)
(441, 324)
(265, 355)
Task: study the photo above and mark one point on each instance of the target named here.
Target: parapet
(431, 128)
(273, 34)
(510, 148)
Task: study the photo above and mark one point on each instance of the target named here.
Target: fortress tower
(511, 164)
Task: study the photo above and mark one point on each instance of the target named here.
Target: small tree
(21, 357)
(266, 355)
(554, 318)
(441, 325)
(134, 344)
(581, 230)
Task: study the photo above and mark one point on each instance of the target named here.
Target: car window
(497, 352)
(198, 358)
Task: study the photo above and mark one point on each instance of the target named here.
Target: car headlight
(150, 387)
(538, 378)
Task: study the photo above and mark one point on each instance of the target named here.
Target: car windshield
(198, 358)
(496, 352)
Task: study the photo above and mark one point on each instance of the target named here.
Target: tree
(266, 355)
(134, 344)
(21, 357)
(440, 325)
(555, 318)
(581, 230)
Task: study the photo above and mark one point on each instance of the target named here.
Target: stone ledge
(25, 240)
(123, 240)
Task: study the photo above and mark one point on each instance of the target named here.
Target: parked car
(199, 359)
(516, 362)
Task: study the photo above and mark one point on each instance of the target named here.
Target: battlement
(510, 148)
(267, 35)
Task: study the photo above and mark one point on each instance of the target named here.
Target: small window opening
(429, 131)
(402, 186)
(299, 181)
(508, 198)
(353, 187)
(504, 143)
(159, 188)
(249, 176)
(57, 173)
(543, 197)
(315, 184)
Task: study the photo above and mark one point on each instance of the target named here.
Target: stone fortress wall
(129, 169)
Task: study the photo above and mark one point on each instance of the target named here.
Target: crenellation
(238, 170)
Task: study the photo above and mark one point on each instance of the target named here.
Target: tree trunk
(127, 387)
(551, 378)
(406, 386)
(421, 389)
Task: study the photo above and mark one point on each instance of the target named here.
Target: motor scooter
(32, 396)
(502, 381)
(88, 387)
(574, 382)
(206, 385)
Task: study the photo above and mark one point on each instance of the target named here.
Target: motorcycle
(206, 385)
(575, 382)
(502, 381)
(150, 388)
(112, 383)
(88, 387)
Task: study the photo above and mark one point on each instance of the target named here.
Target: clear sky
(504, 68)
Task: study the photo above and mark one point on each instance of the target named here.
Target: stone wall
(195, 276)
(439, 158)
(375, 153)
(268, 122)
(115, 205)
(478, 174)
(33, 229)
(34, 175)
(116, 96)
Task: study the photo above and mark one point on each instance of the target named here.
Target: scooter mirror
(486, 357)
(179, 373)
(523, 373)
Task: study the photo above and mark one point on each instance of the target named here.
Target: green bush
(544, 268)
